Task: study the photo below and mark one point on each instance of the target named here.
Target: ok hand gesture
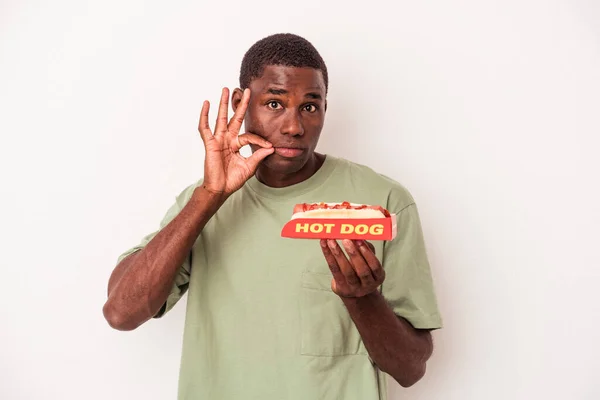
(225, 170)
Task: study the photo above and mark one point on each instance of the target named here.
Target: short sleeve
(181, 282)
(408, 286)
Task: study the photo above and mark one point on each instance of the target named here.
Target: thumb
(258, 156)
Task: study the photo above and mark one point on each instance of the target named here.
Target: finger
(203, 127)
(358, 262)
(347, 270)
(249, 138)
(368, 252)
(221, 126)
(255, 159)
(238, 118)
(332, 263)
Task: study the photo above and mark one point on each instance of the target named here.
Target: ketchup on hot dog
(339, 206)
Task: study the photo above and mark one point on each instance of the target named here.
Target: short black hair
(280, 49)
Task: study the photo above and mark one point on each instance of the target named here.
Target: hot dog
(343, 220)
(339, 210)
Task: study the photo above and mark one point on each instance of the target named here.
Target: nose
(292, 124)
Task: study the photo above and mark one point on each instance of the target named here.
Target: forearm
(393, 344)
(141, 283)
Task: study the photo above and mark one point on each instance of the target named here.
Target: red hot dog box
(340, 221)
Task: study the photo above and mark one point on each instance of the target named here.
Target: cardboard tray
(341, 228)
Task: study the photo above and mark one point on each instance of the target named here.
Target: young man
(269, 317)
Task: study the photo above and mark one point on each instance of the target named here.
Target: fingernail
(323, 243)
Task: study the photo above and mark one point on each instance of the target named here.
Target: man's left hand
(358, 276)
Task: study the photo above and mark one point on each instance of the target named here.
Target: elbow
(118, 320)
(406, 372)
(409, 373)
(412, 376)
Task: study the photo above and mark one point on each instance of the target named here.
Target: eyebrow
(279, 92)
(276, 91)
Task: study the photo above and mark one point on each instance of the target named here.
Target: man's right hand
(225, 169)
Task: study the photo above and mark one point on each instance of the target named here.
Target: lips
(289, 152)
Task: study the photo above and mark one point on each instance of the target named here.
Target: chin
(284, 165)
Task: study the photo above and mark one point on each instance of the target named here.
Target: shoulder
(397, 195)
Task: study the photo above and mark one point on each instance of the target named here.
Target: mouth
(289, 152)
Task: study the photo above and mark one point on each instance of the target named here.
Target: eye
(311, 108)
(273, 104)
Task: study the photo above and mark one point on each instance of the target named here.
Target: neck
(280, 179)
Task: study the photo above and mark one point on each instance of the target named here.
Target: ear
(325, 105)
(236, 98)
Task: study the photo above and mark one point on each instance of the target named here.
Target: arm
(393, 344)
(141, 283)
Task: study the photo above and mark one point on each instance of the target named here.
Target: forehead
(290, 78)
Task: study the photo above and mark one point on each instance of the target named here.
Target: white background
(488, 111)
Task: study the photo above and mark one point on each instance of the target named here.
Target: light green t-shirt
(262, 321)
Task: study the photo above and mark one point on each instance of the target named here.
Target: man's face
(287, 108)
